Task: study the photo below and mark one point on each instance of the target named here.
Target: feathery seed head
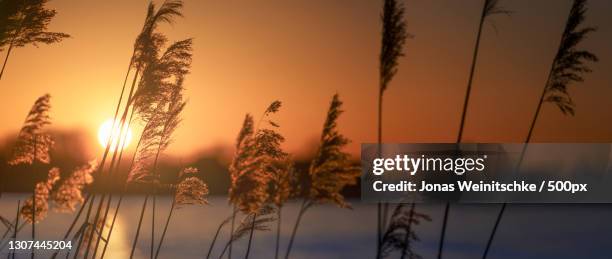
(191, 189)
(250, 174)
(70, 192)
(32, 144)
(40, 198)
(331, 169)
(393, 38)
(569, 65)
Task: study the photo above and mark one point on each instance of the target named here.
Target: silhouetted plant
(490, 8)
(400, 234)
(159, 74)
(163, 119)
(216, 236)
(330, 171)
(246, 130)
(70, 193)
(191, 190)
(85, 234)
(256, 160)
(281, 188)
(146, 47)
(33, 146)
(16, 229)
(568, 66)
(393, 38)
(36, 207)
(32, 143)
(24, 22)
(250, 223)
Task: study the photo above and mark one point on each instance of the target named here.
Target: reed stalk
(234, 212)
(490, 7)
(215, 237)
(144, 207)
(163, 235)
(16, 223)
(568, 66)
(278, 230)
(301, 212)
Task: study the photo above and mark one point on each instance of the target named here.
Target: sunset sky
(249, 53)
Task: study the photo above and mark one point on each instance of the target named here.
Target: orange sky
(248, 53)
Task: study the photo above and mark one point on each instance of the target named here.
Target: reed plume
(32, 143)
(159, 103)
(23, 23)
(400, 234)
(146, 48)
(191, 190)
(33, 146)
(394, 36)
(70, 193)
(282, 181)
(156, 138)
(330, 171)
(245, 131)
(35, 208)
(258, 153)
(570, 62)
(569, 66)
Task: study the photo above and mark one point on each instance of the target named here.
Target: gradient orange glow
(249, 53)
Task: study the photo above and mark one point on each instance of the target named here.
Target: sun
(108, 130)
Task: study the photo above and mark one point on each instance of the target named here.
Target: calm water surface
(526, 231)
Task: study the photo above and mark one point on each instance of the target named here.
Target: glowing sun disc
(107, 131)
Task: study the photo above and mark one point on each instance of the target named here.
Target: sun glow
(108, 130)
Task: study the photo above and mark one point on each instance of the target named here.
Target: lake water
(526, 231)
